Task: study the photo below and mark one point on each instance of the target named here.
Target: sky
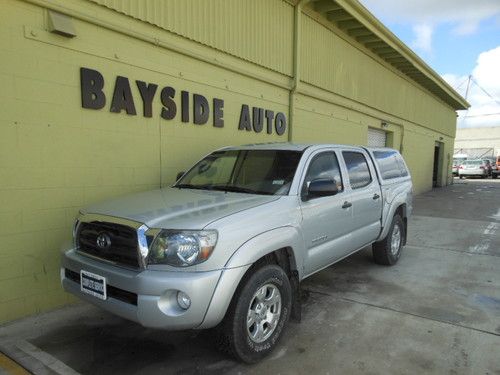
(458, 39)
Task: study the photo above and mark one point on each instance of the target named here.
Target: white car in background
(471, 168)
(458, 159)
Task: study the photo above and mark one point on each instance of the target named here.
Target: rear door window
(402, 165)
(357, 169)
(390, 164)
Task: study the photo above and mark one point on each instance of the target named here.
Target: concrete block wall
(56, 157)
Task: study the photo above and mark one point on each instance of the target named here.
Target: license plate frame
(93, 284)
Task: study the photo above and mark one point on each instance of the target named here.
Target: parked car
(488, 165)
(458, 159)
(473, 168)
(494, 171)
(229, 243)
(495, 168)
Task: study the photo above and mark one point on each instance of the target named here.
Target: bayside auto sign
(93, 97)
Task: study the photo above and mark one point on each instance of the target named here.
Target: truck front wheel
(388, 251)
(257, 315)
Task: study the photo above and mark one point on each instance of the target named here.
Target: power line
(460, 85)
(485, 115)
(483, 90)
(466, 93)
(469, 79)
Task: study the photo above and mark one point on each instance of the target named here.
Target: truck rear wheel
(388, 251)
(257, 315)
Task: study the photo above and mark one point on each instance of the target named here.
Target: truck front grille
(118, 242)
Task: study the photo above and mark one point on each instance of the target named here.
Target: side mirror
(179, 175)
(322, 187)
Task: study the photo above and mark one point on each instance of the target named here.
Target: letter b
(92, 83)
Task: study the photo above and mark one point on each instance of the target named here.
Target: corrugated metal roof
(226, 25)
(240, 28)
(355, 21)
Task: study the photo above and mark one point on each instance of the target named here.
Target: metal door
(376, 138)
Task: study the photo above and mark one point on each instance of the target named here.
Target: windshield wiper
(190, 186)
(239, 189)
(235, 189)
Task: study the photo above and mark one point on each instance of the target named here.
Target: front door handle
(376, 196)
(347, 204)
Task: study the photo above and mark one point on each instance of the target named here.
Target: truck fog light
(183, 300)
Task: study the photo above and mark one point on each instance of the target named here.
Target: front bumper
(472, 172)
(150, 297)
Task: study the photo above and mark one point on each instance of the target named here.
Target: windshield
(473, 163)
(458, 161)
(268, 172)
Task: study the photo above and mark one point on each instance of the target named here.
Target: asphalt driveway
(437, 311)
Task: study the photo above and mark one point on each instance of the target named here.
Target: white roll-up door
(376, 137)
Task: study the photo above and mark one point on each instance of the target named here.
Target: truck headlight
(182, 248)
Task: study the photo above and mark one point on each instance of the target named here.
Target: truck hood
(173, 208)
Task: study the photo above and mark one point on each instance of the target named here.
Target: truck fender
(267, 242)
(242, 259)
(400, 199)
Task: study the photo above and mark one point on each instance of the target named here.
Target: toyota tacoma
(229, 243)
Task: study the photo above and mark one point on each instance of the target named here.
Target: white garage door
(376, 138)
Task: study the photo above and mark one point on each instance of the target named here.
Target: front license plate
(93, 284)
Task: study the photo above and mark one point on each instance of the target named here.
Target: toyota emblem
(103, 241)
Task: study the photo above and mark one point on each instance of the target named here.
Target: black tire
(382, 253)
(233, 336)
(461, 176)
(494, 176)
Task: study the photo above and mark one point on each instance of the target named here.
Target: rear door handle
(347, 204)
(376, 196)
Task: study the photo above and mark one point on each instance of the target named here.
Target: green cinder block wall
(56, 157)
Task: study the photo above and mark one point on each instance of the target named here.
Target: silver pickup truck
(229, 243)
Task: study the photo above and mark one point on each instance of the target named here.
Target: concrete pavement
(437, 311)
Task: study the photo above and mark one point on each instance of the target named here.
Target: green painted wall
(333, 64)
(260, 31)
(56, 157)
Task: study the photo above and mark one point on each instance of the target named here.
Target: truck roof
(270, 146)
(293, 146)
